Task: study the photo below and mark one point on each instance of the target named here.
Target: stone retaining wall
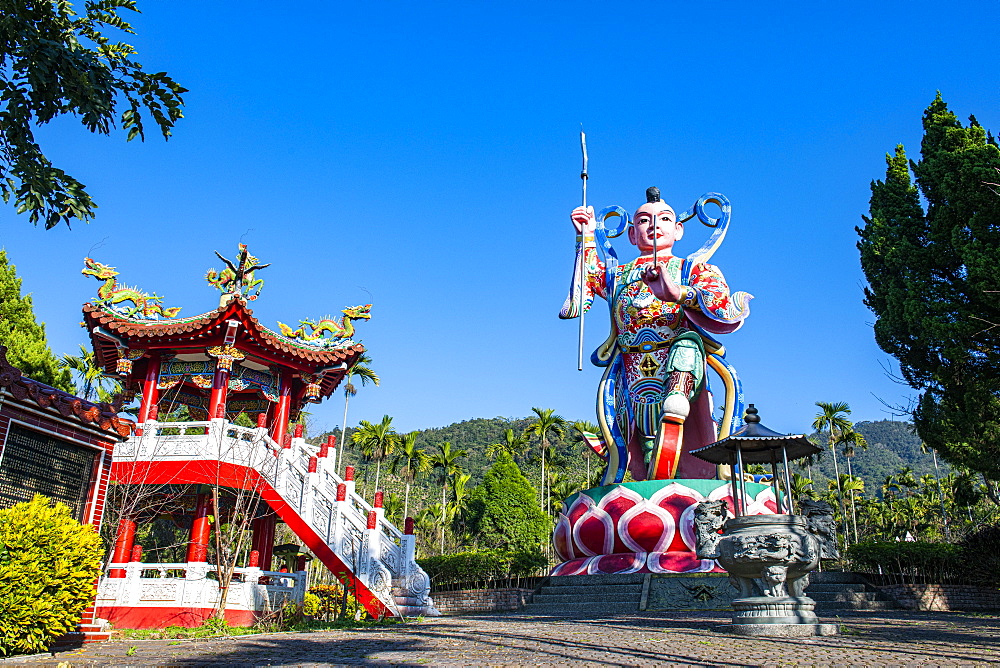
(480, 600)
(943, 598)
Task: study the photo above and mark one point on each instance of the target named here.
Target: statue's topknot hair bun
(653, 194)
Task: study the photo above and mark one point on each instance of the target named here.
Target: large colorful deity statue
(654, 405)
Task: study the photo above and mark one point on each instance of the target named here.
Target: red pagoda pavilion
(214, 367)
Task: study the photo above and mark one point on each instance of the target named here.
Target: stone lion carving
(709, 517)
(772, 580)
(821, 523)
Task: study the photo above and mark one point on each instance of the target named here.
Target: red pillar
(281, 412)
(198, 546)
(263, 539)
(220, 386)
(123, 546)
(150, 393)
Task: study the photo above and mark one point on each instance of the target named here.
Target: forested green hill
(892, 446)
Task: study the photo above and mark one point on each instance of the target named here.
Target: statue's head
(655, 225)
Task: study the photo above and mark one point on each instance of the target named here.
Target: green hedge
(982, 555)
(917, 561)
(48, 565)
(481, 566)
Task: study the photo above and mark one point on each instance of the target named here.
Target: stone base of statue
(779, 630)
(774, 610)
(642, 527)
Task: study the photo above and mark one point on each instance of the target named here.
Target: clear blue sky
(424, 157)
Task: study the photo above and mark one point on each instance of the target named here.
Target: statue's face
(655, 226)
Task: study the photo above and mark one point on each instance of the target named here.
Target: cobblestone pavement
(683, 639)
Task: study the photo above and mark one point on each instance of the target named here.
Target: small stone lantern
(768, 557)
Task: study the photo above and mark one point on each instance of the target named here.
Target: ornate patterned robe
(643, 327)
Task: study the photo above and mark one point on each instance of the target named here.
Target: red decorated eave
(96, 416)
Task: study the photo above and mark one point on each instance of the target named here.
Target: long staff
(583, 248)
(655, 238)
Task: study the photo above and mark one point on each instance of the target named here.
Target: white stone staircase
(298, 481)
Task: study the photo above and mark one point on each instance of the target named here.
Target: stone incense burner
(768, 558)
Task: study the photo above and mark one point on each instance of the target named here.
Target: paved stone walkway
(688, 639)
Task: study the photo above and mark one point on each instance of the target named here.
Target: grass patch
(216, 630)
(184, 633)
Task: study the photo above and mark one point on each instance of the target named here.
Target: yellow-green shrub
(310, 605)
(48, 565)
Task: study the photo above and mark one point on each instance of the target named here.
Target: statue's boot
(666, 454)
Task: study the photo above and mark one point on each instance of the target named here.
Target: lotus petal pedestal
(642, 527)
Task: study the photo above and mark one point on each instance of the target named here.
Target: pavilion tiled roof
(236, 308)
(208, 329)
(24, 389)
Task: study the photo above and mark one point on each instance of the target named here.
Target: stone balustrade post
(147, 442)
(370, 547)
(131, 593)
(215, 443)
(327, 455)
(409, 545)
(349, 480)
(312, 483)
(379, 511)
(340, 510)
(298, 441)
(281, 469)
(301, 586)
(252, 587)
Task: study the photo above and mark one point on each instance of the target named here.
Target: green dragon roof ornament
(340, 329)
(112, 295)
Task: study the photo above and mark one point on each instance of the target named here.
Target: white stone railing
(196, 589)
(382, 558)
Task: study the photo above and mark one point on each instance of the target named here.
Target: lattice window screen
(36, 463)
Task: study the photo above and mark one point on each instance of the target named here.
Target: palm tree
(391, 505)
(409, 463)
(849, 440)
(457, 509)
(364, 373)
(806, 463)
(833, 417)
(801, 488)
(460, 490)
(377, 442)
(853, 487)
(429, 519)
(924, 448)
(545, 424)
(891, 487)
(584, 427)
(96, 385)
(446, 461)
(513, 444)
(905, 478)
(562, 489)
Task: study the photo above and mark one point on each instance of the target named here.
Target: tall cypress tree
(27, 348)
(934, 283)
